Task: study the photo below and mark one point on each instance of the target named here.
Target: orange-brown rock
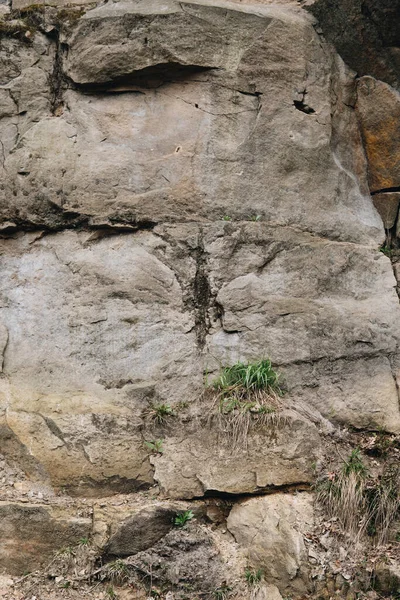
(378, 108)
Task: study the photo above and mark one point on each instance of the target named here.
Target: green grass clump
(354, 464)
(363, 505)
(222, 593)
(253, 577)
(249, 377)
(159, 413)
(247, 393)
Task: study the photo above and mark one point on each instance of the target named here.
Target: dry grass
(364, 506)
(245, 396)
(236, 416)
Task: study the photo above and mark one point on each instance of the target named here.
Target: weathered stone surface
(365, 33)
(267, 592)
(387, 205)
(361, 392)
(298, 299)
(30, 534)
(76, 400)
(109, 348)
(270, 528)
(378, 107)
(192, 557)
(205, 461)
(252, 125)
(141, 530)
(179, 117)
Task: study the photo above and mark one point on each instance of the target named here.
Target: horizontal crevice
(291, 488)
(149, 77)
(82, 224)
(388, 190)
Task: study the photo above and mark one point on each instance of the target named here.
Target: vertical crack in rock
(56, 77)
(201, 294)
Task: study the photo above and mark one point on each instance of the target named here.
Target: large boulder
(378, 107)
(271, 530)
(272, 454)
(246, 125)
(32, 533)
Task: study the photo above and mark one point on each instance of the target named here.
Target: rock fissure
(201, 293)
(388, 190)
(56, 78)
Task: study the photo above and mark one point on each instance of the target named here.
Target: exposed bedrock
(209, 163)
(186, 185)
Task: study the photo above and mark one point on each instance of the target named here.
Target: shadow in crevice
(147, 78)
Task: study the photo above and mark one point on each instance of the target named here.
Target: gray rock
(141, 531)
(365, 33)
(274, 454)
(271, 530)
(32, 533)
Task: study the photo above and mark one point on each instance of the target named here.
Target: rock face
(365, 33)
(31, 532)
(271, 528)
(129, 309)
(186, 185)
(205, 462)
(378, 106)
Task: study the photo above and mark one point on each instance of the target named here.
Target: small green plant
(386, 250)
(155, 446)
(84, 541)
(222, 593)
(354, 464)
(66, 551)
(255, 218)
(111, 593)
(226, 218)
(65, 585)
(159, 413)
(182, 518)
(253, 577)
(117, 571)
(246, 393)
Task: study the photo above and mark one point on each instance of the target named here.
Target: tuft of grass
(253, 577)
(354, 465)
(70, 14)
(16, 29)
(249, 377)
(226, 218)
(342, 494)
(222, 593)
(111, 593)
(386, 250)
(84, 541)
(182, 518)
(159, 413)
(244, 392)
(364, 507)
(155, 446)
(117, 571)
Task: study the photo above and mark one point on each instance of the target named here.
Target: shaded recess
(366, 33)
